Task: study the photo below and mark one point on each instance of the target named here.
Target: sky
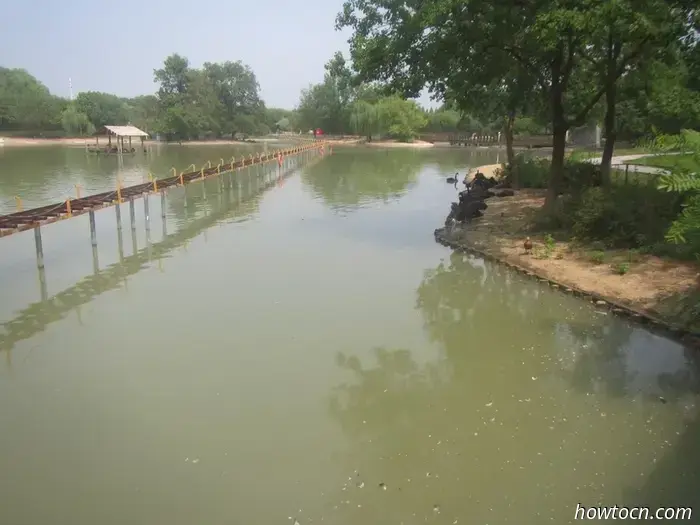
(114, 46)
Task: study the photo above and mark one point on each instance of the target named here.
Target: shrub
(622, 268)
(624, 216)
(597, 257)
(533, 172)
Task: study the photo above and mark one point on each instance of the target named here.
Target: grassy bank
(634, 242)
(686, 162)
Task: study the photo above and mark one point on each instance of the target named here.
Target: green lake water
(300, 348)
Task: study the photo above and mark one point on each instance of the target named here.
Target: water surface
(302, 348)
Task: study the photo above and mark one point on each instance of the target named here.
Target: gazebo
(120, 132)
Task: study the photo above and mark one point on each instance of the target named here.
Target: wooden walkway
(28, 219)
(37, 316)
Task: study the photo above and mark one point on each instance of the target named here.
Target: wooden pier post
(120, 244)
(43, 289)
(93, 231)
(146, 214)
(132, 215)
(95, 261)
(39, 248)
(118, 213)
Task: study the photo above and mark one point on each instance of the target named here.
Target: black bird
(453, 180)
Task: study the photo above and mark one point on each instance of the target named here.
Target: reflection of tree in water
(472, 305)
(442, 424)
(385, 394)
(348, 178)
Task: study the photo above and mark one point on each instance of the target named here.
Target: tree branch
(580, 118)
(529, 66)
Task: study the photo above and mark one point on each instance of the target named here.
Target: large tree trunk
(610, 103)
(610, 135)
(559, 128)
(510, 153)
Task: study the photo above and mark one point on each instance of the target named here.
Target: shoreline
(652, 292)
(20, 142)
(416, 144)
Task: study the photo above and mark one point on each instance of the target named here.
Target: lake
(299, 348)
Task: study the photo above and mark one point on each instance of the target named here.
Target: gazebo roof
(121, 131)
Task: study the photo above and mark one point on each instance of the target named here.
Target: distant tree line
(218, 100)
(222, 100)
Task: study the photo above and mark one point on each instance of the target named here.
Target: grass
(668, 161)
(619, 176)
(581, 155)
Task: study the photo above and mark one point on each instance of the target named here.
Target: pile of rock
(471, 201)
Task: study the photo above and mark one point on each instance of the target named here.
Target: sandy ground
(395, 144)
(656, 286)
(22, 142)
(19, 141)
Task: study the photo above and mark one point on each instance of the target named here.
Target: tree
(75, 122)
(401, 118)
(219, 99)
(431, 43)
(102, 109)
(365, 119)
(443, 120)
(326, 105)
(237, 90)
(26, 104)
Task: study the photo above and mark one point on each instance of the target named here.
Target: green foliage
(548, 248)
(401, 118)
(26, 104)
(597, 256)
(622, 268)
(561, 58)
(365, 119)
(76, 123)
(443, 121)
(622, 216)
(533, 172)
(221, 99)
(527, 126)
(684, 180)
(102, 109)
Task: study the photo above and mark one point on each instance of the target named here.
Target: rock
(505, 193)
(601, 303)
(471, 202)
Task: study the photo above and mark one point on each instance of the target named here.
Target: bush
(622, 268)
(629, 216)
(533, 172)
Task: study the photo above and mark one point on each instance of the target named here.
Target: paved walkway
(621, 160)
